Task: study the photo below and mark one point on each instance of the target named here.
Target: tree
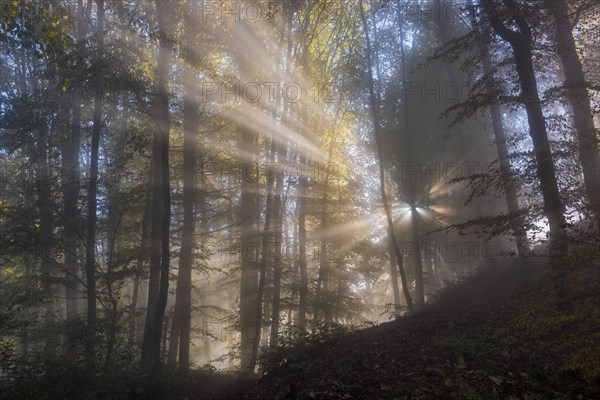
(248, 252)
(512, 203)
(70, 176)
(180, 333)
(376, 127)
(577, 94)
(521, 43)
(161, 203)
(90, 259)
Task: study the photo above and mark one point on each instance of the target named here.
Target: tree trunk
(508, 184)
(161, 204)
(249, 275)
(303, 290)
(512, 204)
(394, 276)
(553, 207)
(376, 126)
(278, 202)
(577, 94)
(174, 336)
(112, 227)
(163, 71)
(291, 252)
(206, 353)
(90, 253)
(277, 260)
(202, 207)
(418, 262)
(183, 300)
(265, 258)
(163, 341)
(412, 188)
(70, 188)
(43, 191)
(322, 278)
(140, 260)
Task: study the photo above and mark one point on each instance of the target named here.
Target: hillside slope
(470, 344)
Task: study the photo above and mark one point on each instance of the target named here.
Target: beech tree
(521, 42)
(577, 94)
(161, 202)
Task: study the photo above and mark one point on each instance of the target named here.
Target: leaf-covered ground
(497, 335)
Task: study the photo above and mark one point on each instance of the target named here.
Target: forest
(299, 199)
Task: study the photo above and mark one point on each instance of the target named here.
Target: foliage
(92, 382)
(540, 352)
(294, 347)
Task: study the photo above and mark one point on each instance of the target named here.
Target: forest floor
(495, 335)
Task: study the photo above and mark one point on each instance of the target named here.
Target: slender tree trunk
(71, 186)
(155, 258)
(90, 253)
(583, 119)
(46, 228)
(277, 259)
(512, 204)
(266, 326)
(202, 207)
(414, 220)
(113, 221)
(303, 184)
(553, 207)
(206, 353)
(508, 184)
(427, 270)
(286, 256)
(140, 261)
(394, 276)
(163, 69)
(29, 264)
(155, 254)
(323, 277)
(292, 255)
(249, 277)
(174, 336)
(419, 282)
(161, 206)
(131, 330)
(302, 267)
(163, 341)
(278, 202)
(412, 187)
(183, 300)
(393, 263)
(376, 127)
(265, 257)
